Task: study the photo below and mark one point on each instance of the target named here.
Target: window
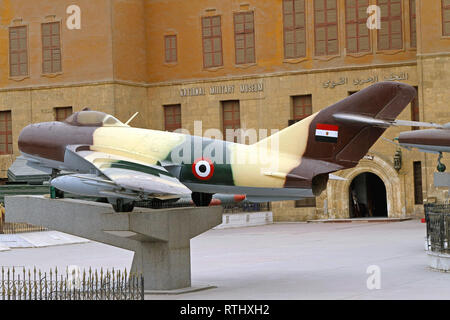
(415, 115)
(170, 43)
(325, 27)
(5, 133)
(390, 34)
(305, 203)
(212, 42)
(418, 196)
(51, 48)
(18, 51)
(62, 113)
(357, 33)
(294, 28)
(244, 37)
(231, 118)
(301, 106)
(446, 17)
(412, 23)
(172, 117)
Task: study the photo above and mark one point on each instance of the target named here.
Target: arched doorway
(367, 196)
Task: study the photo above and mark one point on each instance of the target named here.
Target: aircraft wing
(124, 177)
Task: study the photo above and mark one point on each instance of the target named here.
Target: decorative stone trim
(338, 194)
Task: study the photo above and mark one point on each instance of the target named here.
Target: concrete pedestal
(439, 261)
(159, 238)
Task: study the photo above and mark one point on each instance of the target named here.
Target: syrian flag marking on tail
(326, 132)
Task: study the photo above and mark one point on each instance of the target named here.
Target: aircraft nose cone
(25, 138)
(43, 140)
(49, 139)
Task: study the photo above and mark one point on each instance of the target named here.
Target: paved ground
(37, 239)
(283, 261)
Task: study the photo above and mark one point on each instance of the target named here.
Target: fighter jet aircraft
(435, 140)
(110, 159)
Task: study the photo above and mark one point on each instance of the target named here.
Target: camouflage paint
(291, 158)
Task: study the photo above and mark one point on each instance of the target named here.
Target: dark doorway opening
(367, 196)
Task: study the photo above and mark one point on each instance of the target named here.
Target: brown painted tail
(340, 135)
(344, 132)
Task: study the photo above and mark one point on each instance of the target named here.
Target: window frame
(234, 120)
(66, 114)
(443, 22)
(171, 111)
(173, 51)
(5, 133)
(51, 48)
(18, 52)
(356, 22)
(326, 25)
(412, 22)
(293, 29)
(306, 102)
(211, 37)
(245, 33)
(389, 19)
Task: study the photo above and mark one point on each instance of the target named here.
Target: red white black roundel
(203, 168)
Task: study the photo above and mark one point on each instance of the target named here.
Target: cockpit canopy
(93, 119)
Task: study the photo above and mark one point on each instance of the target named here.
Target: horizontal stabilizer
(335, 177)
(407, 123)
(349, 118)
(282, 175)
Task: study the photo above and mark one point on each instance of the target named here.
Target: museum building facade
(234, 65)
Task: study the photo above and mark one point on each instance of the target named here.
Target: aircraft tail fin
(340, 135)
(343, 132)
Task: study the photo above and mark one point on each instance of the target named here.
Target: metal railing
(247, 207)
(157, 204)
(238, 207)
(437, 217)
(91, 285)
(19, 227)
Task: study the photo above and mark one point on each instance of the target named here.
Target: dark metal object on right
(437, 217)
